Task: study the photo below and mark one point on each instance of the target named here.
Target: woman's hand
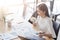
(41, 34)
(48, 35)
(34, 24)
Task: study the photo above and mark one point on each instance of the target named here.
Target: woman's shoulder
(49, 19)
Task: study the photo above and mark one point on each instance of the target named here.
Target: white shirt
(45, 24)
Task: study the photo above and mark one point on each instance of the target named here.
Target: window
(56, 9)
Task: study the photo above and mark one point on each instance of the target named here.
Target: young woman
(44, 23)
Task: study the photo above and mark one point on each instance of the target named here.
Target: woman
(44, 23)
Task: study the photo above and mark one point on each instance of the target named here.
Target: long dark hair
(43, 7)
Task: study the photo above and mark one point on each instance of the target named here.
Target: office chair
(56, 28)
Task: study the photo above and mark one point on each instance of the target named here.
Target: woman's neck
(43, 16)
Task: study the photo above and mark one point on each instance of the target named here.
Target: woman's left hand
(45, 34)
(48, 35)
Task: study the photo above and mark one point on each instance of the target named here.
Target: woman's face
(40, 12)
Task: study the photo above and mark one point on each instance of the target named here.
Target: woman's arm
(45, 34)
(48, 35)
(51, 32)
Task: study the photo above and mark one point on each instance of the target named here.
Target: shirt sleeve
(50, 28)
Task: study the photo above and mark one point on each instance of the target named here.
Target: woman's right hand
(34, 24)
(41, 34)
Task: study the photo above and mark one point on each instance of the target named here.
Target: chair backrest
(56, 27)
